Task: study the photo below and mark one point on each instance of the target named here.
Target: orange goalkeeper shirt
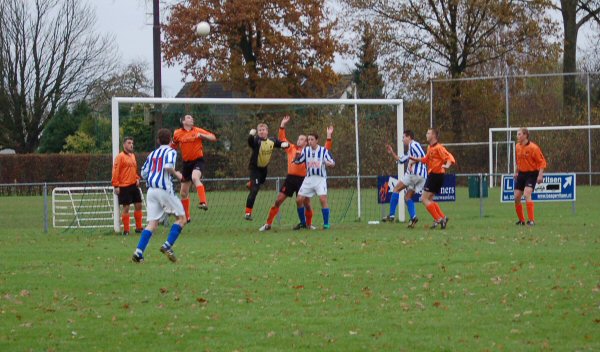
(124, 170)
(293, 151)
(530, 157)
(191, 145)
(436, 157)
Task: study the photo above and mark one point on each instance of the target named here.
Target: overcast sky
(130, 21)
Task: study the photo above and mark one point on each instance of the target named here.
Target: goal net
(566, 148)
(84, 207)
(362, 127)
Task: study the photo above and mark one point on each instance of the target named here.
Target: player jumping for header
(189, 138)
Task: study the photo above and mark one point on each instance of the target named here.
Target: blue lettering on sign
(554, 188)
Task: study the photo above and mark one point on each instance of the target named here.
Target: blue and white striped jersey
(414, 150)
(154, 169)
(315, 160)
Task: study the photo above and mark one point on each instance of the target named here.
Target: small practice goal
(84, 207)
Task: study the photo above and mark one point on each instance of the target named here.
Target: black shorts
(258, 175)
(434, 183)
(189, 166)
(526, 179)
(130, 194)
(291, 185)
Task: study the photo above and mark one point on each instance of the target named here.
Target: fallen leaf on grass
(201, 300)
(163, 290)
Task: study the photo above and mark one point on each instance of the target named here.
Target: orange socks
(248, 210)
(186, 207)
(439, 210)
(529, 211)
(519, 209)
(272, 213)
(125, 219)
(138, 214)
(309, 216)
(432, 209)
(201, 194)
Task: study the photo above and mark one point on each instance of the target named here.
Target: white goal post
(398, 103)
(536, 128)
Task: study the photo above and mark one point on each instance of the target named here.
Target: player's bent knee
(181, 221)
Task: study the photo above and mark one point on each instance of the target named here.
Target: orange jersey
(191, 145)
(293, 151)
(530, 157)
(124, 170)
(436, 157)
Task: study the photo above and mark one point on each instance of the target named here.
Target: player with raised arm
(158, 171)
(295, 175)
(189, 138)
(262, 148)
(126, 183)
(437, 159)
(413, 179)
(316, 158)
(530, 170)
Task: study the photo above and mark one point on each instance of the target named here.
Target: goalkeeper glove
(253, 132)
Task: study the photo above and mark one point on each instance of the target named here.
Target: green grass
(483, 284)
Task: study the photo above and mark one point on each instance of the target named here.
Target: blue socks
(325, 212)
(301, 215)
(410, 204)
(144, 239)
(175, 231)
(394, 204)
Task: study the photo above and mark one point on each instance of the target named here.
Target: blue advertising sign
(386, 184)
(554, 188)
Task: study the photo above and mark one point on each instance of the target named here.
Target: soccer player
(158, 171)
(316, 159)
(530, 170)
(413, 179)
(189, 138)
(126, 183)
(262, 148)
(437, 159)
(295, 176)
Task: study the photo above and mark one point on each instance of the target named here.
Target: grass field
(481, 285)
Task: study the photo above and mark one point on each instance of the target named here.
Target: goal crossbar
(536, 128)
(399, 103)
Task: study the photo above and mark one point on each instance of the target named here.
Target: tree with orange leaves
(261, 48)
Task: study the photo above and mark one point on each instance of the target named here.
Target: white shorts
(313, 185)
(413, 182)
(159, 202)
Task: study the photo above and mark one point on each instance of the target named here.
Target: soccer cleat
(139, 230)
(137, 258)
(203, 206)
(326, 227)
(520, 223)
(311, 227)
(248, 217)
(169, 253)
(444, 222)
(388, 218)
(265, 227)
(434, 225)
(299, 226)
(125, 233)
(530, 223)
(413, 222)
(188, 220)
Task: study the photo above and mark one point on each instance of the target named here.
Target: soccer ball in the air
(202, 28)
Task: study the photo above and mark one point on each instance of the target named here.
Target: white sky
(130, 22)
